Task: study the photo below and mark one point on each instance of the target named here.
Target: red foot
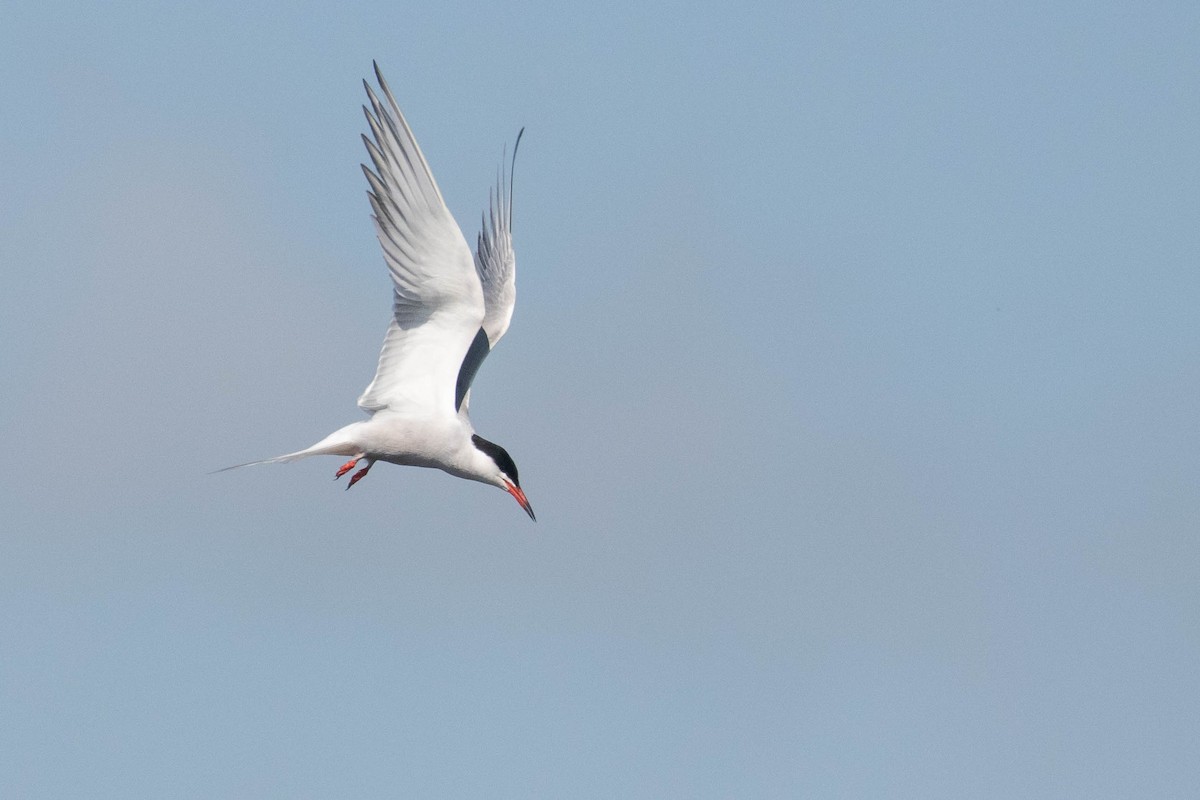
(349, 465)
(358, 476)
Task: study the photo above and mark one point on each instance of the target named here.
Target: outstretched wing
(438, 302)
(494, 258)
(497, 268)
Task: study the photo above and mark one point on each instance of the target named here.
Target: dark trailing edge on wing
(466, 373)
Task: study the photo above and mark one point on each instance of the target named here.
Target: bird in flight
(449, 309)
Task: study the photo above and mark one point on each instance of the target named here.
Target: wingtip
(512, 172)
(382, 82)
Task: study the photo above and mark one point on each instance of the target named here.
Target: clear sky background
(853, 377)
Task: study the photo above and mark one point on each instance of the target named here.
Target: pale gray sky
(853, 378)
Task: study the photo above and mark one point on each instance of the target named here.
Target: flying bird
(450, 308)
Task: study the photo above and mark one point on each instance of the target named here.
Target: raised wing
(494, 258)
(497, 267)
(438, 299)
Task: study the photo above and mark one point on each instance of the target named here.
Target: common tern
(450, 308)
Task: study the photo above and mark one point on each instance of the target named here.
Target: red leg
(356, 477)
(349, 465)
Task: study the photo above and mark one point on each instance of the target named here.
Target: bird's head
(505, 473)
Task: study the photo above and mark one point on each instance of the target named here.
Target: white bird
(449, 310)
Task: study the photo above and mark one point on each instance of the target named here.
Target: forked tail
(325, 447)
(276, 460)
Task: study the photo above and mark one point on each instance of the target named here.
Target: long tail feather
(276, 460)
(326, 447)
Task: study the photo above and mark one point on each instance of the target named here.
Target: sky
(853, 378)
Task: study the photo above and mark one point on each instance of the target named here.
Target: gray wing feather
(496, 264)
(494, 257)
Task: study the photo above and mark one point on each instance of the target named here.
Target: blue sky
(853, 378)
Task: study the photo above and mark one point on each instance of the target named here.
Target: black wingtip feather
(512, 171)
